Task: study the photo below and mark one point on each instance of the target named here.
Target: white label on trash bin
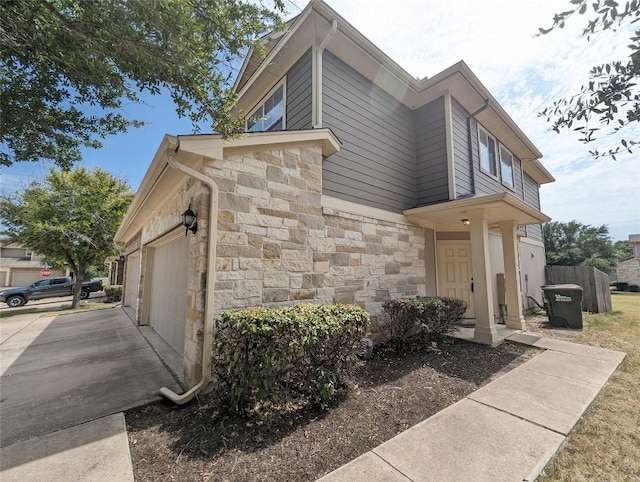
(562, 297)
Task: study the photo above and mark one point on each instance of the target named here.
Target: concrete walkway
(507, 430)
(62, 380)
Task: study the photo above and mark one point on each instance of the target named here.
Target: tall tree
(622, 250)
(577, 244)
(611, 96)
(69, 217)
(67, 67)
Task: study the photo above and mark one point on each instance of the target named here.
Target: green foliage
(622, 251)
(70, 218)
(274, 355)
(432, 318)
(113, 293)
(611, 95)
(67, 67)
(577, 244)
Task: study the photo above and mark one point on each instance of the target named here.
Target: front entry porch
(480, 216)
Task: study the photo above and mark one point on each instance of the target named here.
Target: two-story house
(355, 183)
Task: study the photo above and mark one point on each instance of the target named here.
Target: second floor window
(506, 167)
(487, 146)
(268, 116)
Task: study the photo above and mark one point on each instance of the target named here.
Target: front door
(455, 275)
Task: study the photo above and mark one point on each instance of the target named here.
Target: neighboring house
(115, 264)
(19, 266)
(357, 183)
(629, 271)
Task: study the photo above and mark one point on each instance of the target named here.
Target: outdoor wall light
(189, 221)
(466, 221)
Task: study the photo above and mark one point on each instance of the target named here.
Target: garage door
(168, 300)
(132, 281)
(24, 277)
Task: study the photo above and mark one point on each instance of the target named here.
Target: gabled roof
(312, 26)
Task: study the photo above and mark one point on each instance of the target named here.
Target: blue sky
(496, 39)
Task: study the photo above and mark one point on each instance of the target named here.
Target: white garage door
(132, 281)
(24, 277)
(168, 300)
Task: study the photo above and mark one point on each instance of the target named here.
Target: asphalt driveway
(61, 371)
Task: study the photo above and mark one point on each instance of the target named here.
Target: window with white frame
(269, 116)
(487, 146)
(506, 167)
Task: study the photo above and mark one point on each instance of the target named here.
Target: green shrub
(113, 293)
(634, 288)
(433, 318)
(274, 355)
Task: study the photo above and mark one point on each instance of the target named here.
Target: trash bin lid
(562, 287)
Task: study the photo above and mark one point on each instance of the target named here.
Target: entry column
(515, 319)
(485, 331)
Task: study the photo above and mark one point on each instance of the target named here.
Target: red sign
(45, 273)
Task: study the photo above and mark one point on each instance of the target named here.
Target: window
(487, 146)
(58, 281)
(268, 116)
(506, 167)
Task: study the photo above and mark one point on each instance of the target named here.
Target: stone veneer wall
(164, 222)
(278, 246)
(629, 271)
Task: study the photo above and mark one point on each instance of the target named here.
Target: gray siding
(460, 134)
(299, 94)
(431, 153)
(532, 198)
(376, 164)
(484, 183)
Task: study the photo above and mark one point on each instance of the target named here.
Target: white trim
(315, 84)
(282, 82)
(168, 236)
(275, 51)
(451, 167)
(495, 176)
(329, 202)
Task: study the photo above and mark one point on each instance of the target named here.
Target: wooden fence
(596, 297)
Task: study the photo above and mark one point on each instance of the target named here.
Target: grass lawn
(605, 445)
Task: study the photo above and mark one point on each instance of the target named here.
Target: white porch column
(485, 331)
(513, 294)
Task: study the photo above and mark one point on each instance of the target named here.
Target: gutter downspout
(211, 278)
(317, 122)
(471, 170)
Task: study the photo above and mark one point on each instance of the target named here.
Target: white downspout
(211, 279)
(317, 122)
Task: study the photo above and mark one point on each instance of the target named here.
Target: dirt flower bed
(384, 396)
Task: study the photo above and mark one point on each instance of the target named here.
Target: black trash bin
(564, 304)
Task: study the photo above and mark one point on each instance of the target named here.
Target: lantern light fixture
(189, 221)
(466, 221)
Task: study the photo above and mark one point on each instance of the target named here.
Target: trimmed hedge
(433, 318)
(113, 293)
(274, 355)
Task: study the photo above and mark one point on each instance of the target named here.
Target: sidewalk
(507, 430)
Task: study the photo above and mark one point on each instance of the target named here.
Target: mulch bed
(383, 397)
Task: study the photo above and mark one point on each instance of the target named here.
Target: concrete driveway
(61, 371)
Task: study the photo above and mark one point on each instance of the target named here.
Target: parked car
(47, 288)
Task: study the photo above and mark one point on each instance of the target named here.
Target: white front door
(455, 275)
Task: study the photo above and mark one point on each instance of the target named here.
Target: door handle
(472, 285)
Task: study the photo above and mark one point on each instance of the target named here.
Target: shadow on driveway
(61, 371)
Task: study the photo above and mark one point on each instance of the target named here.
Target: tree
(611, 95)
(68, 67)
(577, 244)
(70, 218)
(622, 250)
